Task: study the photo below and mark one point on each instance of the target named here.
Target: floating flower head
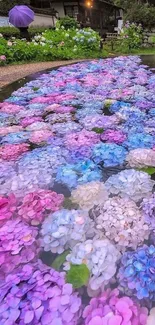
(37, 294)
(100, 256)
(136, 274)
(36, 205)
(63, 229)
(112, 309)
(151, 318)
(139, 140)
(80, 173)
(109, 154)
(90, 194)
(40, 136)
(120, 220)
(17, 244)
(8, 206)
(130, 184)
(82, 138)
(113, 136)
(148, 208)
(13, 151)
(141, 158)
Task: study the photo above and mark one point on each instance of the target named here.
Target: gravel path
(12, 73)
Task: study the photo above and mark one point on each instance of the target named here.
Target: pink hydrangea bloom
(10, 129)
(110, 309)
(10, 108)
(8, 206)
(13, 151)
(40, 136)
(83, 138)
(29, 120)
(113, 136)
(59, 109)
(2, 58)
(37, 204)
(42, 100)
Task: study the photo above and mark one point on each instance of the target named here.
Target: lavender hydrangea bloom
(38, 295)
(148, 207)
(100, 256)
(130, 184)
(64, 228)
(18, 244)
(136, 274)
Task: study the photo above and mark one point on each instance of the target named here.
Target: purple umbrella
(21, 16)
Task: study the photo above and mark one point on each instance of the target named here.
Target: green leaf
(149, 170)
(59, 260)
(78, 275)
(98, 130)
(35, 88)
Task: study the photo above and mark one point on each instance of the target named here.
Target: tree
(6, 5)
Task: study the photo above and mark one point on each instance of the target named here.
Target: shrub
(141, 14)
(131, 36)
(9, 32)
(67, 22)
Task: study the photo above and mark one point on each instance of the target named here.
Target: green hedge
(9, 32)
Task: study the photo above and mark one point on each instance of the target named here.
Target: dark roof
(111, 4)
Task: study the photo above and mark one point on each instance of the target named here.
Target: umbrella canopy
(21, 16)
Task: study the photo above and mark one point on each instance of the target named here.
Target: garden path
(11, 73)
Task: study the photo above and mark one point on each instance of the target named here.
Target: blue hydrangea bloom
(110, 154)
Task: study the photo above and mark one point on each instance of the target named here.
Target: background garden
(69, 41)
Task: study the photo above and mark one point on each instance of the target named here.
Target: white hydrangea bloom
(100, 256)
(141, 158)
(89, 194)
(131, 184)
(120, 220)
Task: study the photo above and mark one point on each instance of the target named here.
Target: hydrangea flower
(40, 136)
(141, 158)
(37, 294)
(100, 256)
(18, 244)
(113, 136)
(59, 109)
(113, 309)
(10, 129)
(130, 184)
(64, 228)
(58, 118)
(139, 140)
(80, 173)
(151, 318)
(99, 121)
(30, 120)
(136, 274)
(82, 138)
(62, 128)
(36, 205)
(90, 194)
(148, 207)
(110, 154)
(8, 206)
(10, 108)
(120, 220)
(13, 151)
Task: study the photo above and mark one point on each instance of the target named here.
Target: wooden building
(98, 14)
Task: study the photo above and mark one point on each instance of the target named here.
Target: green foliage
(78, 275)
(9, 32)
(67, 23)
(98, 130)
(6, 5)
(59, 260)
(149, 170)
(52, 45)
(141, 14)
(131, 36)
